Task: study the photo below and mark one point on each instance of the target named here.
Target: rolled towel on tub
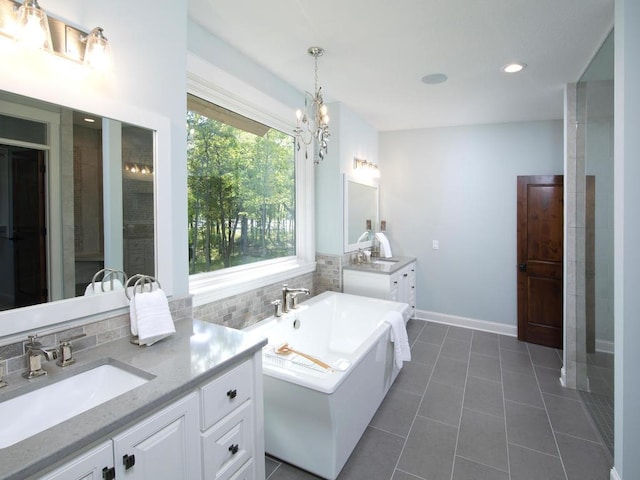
(150, 317)
(399, 337)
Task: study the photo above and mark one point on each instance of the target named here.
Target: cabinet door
(166, 445)
(88, 466)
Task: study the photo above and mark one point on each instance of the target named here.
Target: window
(241, 189)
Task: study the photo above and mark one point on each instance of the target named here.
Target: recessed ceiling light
(514, 67)
(434, 78)
(89, 120)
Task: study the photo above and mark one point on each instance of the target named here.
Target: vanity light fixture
(362, 163)
(514, 67)
(31, 27)
(313, 121)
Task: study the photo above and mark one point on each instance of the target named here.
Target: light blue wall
(627, 239)
(458, 186)
(351, 137)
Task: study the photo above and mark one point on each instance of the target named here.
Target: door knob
(522, 267)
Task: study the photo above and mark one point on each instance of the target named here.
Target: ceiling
(377, 51)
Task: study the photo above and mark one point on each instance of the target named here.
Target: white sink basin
(385, 262)
(35, 411)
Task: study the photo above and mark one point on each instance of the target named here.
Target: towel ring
(110, 274)
(138, 282)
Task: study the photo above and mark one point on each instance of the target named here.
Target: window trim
(234, 94)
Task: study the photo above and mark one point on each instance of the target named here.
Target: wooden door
(29, 227)
(540, 259)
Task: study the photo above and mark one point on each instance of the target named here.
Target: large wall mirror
(360, 212)
(76, 196)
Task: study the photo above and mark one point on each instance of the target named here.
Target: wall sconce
(364, 164)
(29, 25)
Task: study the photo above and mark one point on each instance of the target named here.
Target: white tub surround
(314, 417)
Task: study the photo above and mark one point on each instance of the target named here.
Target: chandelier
(313, 121)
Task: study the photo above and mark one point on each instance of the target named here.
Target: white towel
(401, 349)
(385, 248)
(100, 287)
(150, 317)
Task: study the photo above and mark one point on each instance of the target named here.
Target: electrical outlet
(435, 245)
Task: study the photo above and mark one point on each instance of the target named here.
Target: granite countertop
(197, 352)
(386, 265)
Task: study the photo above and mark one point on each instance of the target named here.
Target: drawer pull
(232, 393)
(128, 461)
(234, 449)
(108, 473)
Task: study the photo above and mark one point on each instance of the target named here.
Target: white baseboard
(492, 327)
(604, 346)
(614, 474)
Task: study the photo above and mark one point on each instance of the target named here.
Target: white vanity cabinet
(96, 464)
(399, 285)
(215, 432)
(164, 445)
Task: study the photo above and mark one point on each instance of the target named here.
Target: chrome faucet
(34, 351)
(291, 294)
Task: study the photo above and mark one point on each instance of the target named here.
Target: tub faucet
(291, 294)
(34, 351)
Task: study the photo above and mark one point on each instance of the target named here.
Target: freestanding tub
(313, 417)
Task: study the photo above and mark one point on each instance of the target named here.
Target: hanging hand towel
(150, 317)
(385, 248)
(401, 349)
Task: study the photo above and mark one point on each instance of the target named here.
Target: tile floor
(474, 405)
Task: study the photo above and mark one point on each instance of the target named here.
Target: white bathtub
(314, 418)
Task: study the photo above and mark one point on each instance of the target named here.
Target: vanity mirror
(360, 212)
(76, 195)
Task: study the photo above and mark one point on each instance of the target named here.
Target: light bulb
(323, 110)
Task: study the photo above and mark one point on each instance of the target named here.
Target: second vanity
(387, 278)
(199, 413)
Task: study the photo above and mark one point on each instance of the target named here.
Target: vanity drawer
(228, 445)
(226, 393)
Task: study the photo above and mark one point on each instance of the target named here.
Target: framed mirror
(77, 194)
(360, 212)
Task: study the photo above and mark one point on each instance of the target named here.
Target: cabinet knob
(395, 283)
(232, 393)
(405, 275)
(108, 473)
(128, 461)
(234, 449)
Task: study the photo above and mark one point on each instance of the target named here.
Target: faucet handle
(66, 352)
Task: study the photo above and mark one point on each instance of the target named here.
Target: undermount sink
(34, 411)
(385, 262)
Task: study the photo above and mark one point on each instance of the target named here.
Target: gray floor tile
(485, 345)
(460, 333)
(400, 475)
(270, 465)
(483, 439)
(464, 469)
(583, 460)
(516, 362)
(512, 343)
(413, 377)
(528, 464)
(549, 379)
(545, 356)
(414, 327)
(433, 333)
(569, 416)
(521, 388)
(482, 366)
(429, 450)
(442, 403)
(484, 396)
(485, 335)
(455, 349)
(374, 458)
(289, 472)
(397, 412)
(529, 427)
(451, 372)
(423, 352)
